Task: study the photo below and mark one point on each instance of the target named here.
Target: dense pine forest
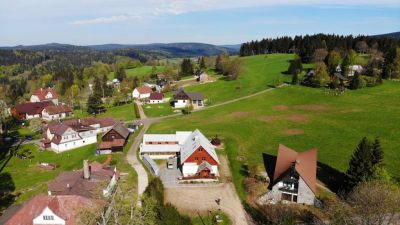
(305, 46)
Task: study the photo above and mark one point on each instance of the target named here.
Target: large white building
(197, 156)
(75, 133)
(142, 92)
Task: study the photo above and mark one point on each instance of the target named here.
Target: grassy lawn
(259, 73)
(123, 112)
(30, 180)
(210, 219)
(139, 71)
(156, 110)
(301, 118)
(25, 131)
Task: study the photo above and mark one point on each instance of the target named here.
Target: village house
(75, 133)
(45, 94)
(56, 112)
(196, 155)
(353, 69)
(142, 92)
(61, 137)
(55, 210)
(202, 77)
(156, 97)
(92, 181)
(184, 99)
(294, 179)
(113, 140)
(29, 110)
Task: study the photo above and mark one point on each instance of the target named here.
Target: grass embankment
(301, 118)
(139, 71)
(123, 112)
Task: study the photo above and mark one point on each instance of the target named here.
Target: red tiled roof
(32, 108)
(57, 109)
(305, 164)
(144, 90)
(156, 96)
(42, 92)
(67, 207)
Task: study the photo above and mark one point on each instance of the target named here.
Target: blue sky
(84, 22)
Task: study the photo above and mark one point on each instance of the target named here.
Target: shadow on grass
(7, 187)
(331, 177)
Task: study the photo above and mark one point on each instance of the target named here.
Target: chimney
(86, 171)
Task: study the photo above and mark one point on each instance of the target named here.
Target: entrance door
(205, 172)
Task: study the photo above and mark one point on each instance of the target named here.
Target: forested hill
(394, 35)
(172, 50)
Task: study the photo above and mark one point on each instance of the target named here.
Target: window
(196, 158)
(203, 158)
(159, 143)
(48, 217)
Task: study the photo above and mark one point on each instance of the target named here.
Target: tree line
(305, 46)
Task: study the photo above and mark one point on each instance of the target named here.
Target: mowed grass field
(139, 71)
(30, 180)
(300, 118)
(259, 74)
(122, 112)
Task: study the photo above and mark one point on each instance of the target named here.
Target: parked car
(28, 137)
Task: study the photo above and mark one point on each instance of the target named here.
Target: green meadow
(298, 117)
(259, 73)
(122, 112)
(139, 71)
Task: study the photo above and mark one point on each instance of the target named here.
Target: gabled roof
(193, 142)
(156, 96)
(305, 163)
(73, 183)
(67, 207)
(42, 92)
(32, 108)
(144, 90)
(204, 165)
(120, 129)
(181, 94)
(57, 109)
(58, 128)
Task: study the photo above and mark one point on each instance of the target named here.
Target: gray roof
(120, 129)
(204, 165)
(151, 165)
(195, 96)
(193, 142)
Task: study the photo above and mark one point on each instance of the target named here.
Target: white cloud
(110, 19)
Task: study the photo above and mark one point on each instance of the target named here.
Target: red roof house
(45, 94)
(62, 209)
(295, 176)
(30, 110)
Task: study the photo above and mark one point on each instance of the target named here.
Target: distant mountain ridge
(394, 35)
(188, 49)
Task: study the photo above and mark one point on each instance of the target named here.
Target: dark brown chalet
(114, 139)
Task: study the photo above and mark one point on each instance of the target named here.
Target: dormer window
(48, 217)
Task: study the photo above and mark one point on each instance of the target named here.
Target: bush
(136, 107)
(166, 214)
